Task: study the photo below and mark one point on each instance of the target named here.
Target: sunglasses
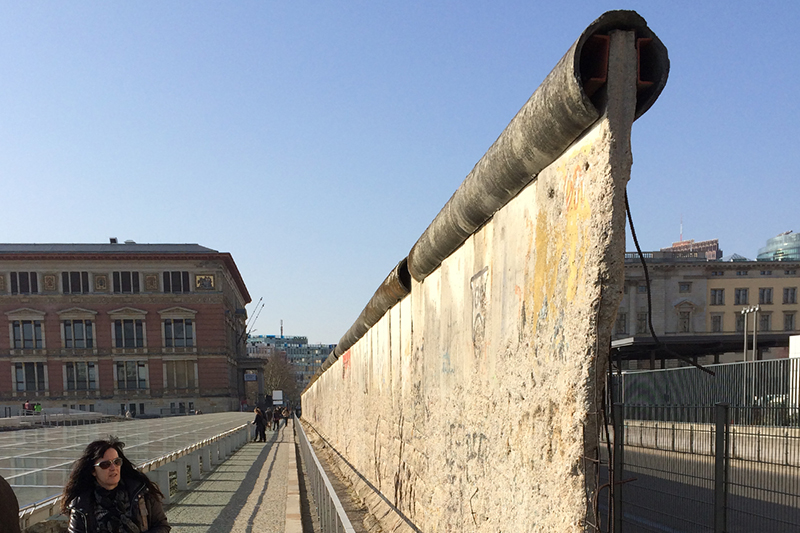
(105, 465)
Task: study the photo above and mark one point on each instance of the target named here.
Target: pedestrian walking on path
(261, 425)
(276, 418)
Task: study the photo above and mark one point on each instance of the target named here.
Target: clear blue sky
(315, 141)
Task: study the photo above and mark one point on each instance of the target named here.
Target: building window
(765, 321)
(740, 297)
(129, 333)
(641, 289)
(81, 376)
(27, 334)
(716, 323)
(29, 377)
(790, 272)
(790, 295)
(24, 283)
(180, 374)
(788, 321)
(766, 272)
(131, 374)
(622, 324)
(765, 296)
(739, 322)
(126, 282)
(684, 286)
(741, 272)
(717, 272)
(178, 333)
(75, 282)
(717, 297)
(78, 334)
(641, 323)
(176, 281)
(684, 321)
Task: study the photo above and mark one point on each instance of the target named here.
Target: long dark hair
(81, 479)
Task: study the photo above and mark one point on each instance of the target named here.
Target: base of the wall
(382, 515)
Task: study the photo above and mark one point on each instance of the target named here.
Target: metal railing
(331, 514)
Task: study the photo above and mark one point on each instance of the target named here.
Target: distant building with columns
(696, 300)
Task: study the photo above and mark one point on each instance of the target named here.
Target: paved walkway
(255, 490)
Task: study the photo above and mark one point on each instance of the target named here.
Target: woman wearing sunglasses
(105, 493)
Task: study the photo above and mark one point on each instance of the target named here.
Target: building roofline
(122, 252)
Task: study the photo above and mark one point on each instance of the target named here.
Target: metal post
(756, 309)
(721, 468)
(616, 478)
(744, 351)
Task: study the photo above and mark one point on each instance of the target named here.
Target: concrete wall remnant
(471, 403)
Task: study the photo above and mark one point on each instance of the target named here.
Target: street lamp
(746, 311)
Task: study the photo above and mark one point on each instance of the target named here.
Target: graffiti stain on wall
(345, 364)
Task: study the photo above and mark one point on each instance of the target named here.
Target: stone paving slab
(247, 493)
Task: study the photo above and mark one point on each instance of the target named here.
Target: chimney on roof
(112, 240)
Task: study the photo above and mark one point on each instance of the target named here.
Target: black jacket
(81, 515)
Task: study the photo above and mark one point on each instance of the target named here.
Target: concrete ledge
(294, 523)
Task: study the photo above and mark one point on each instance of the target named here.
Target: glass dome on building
(784, 247)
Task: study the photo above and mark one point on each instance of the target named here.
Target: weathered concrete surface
(470, 405)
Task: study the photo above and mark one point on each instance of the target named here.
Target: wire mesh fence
(731, 469)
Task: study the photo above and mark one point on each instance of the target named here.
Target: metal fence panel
(682, 473)
(764, 479)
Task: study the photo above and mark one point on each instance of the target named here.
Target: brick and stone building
(147, 328)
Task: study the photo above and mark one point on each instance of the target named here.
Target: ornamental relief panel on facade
(49, 283)
(204, 282)
(151, 282)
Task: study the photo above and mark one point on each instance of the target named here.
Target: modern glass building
(784, 247)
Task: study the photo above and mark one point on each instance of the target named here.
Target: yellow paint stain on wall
(561, 236)
(578, 211)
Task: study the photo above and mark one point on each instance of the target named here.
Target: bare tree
(279, 374)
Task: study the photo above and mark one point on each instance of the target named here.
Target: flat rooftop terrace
(37, 462)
